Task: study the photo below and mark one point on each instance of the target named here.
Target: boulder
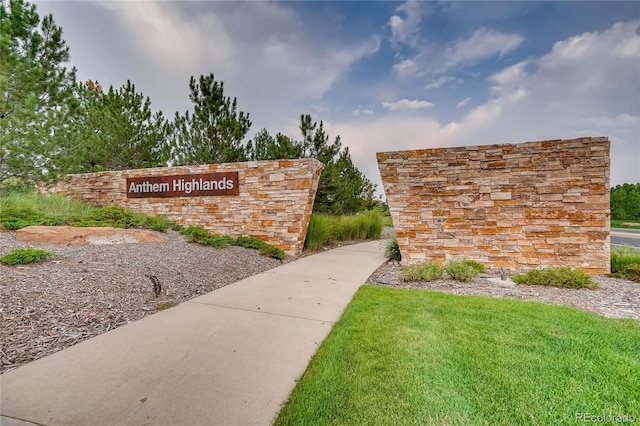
(81, 236)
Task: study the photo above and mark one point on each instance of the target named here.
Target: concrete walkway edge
(230, 357)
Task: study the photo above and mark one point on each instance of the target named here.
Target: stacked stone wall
(518, 206)
(274, 204)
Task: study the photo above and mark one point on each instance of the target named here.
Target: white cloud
(470, 13)
(440, 58)
(581, 82)
(619, 121)
(263, 51)
(481, 45)
(320, 108)
(630, 48)
(582, 87)
(511, 75)
(406, 104)
(507, 79)
(366, 137)
(153, 27)
(362, 111)
(406, 30)
(406, 67)
(463, 102)
(441, 81)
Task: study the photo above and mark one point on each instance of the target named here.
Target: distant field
(618, 224)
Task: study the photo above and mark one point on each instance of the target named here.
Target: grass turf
(618, 224)
(19, 209)
(408, 357)
(47, 205)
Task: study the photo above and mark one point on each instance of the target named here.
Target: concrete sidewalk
(230, 357)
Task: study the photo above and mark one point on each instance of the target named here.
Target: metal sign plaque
(193, 185)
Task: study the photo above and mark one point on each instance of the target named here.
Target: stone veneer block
(274, 204)
(517, 206)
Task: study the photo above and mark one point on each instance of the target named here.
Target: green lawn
(618, 224)
(405, 357)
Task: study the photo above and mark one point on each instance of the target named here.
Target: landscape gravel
(615, 298)
(84, 291)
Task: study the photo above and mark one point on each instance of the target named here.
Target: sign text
(221, 183)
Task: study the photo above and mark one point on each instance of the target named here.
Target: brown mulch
(84, 291)
(615, 297)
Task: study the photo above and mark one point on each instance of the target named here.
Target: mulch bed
(615, 298)
(84, 291)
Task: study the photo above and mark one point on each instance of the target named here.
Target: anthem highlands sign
(202, 184)
(270, 200)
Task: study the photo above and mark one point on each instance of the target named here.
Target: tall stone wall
(517, 206)
(274, 203)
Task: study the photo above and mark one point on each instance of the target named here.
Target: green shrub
(423, 272)
(386, 221)
(464, 270)
(362, 226)
(197, 234)
(370, 224)
(556, 276)
(345, 228)
(24, 256)
(319, 232)
(392, 249)
(20, 217)
(325, 230)
(625, 263)
(632, 272)
(118, 217)
(177, 227)
(623, 256)
(194, 233)
(159, 223)
(272, 251)
(216, 241)
(249, 242)
(263, 248)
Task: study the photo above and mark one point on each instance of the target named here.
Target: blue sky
(383, 75)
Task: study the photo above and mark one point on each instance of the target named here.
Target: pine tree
(266, 147)
(343, 189)
(315, 141)
(214, 131)
(123, 132)
(37, 106)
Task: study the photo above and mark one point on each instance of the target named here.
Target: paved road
(629, 237)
